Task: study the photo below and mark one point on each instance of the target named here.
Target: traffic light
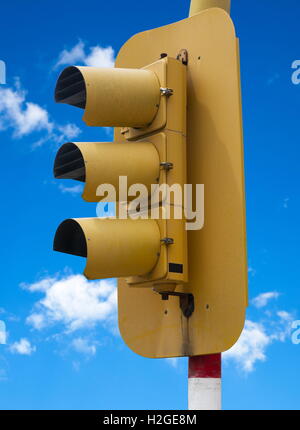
(174, 100)
(151, 99)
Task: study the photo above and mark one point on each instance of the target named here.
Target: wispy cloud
(263, 299)
(22, 347)
(257, 337)
(251, 271)
(73, 302)
(24, 118)
(274, 78)
(3, 334)
(286, 202)
(173, 362)
(84, 346)
(67, 132)
(95, 56)
(74, 190)
(250, 347)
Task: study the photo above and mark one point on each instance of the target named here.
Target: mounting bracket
(186, 301)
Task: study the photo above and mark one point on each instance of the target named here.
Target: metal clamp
(167, 92)
(167, 241)
(186, 301)
(166, 165)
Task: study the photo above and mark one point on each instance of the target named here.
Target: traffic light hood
(113, 247)
(111, 97)
(96, 163)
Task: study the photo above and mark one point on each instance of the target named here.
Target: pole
(204, 386)
(199, 5)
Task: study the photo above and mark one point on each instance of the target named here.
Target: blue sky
(62, 346)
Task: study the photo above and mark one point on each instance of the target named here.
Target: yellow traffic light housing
(151, 152)
(178, 121)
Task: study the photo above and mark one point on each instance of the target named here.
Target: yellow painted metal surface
(200, 5)
(105, 162)
(119, 247)
(217, 253)
(160, 69)
(123, 97)
(168, 254)
(172, 110)
(171, 146)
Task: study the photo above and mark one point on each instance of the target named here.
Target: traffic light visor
(111, 97)
(96, 163)
(112, 247)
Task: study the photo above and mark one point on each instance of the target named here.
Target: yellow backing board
(217, 253)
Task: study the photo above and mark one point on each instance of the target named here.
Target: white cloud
(77, 304)
(67, 132)
(100, 57)
(263, 299)
(2, 337)
(37, 320)
(284, 316)
(23, 347)
(76, 189)
(283, 326)
(74, 302)
(250, 347)
(96, 56)
(257, 337)
(286, 202)
(84, 346)
(41, 285)
(73, 56)
(3, 334)
(173, 362)
(251, 271)
(8, 317)
(24, 117)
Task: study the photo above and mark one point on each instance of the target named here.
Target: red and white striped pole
(205, 383)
